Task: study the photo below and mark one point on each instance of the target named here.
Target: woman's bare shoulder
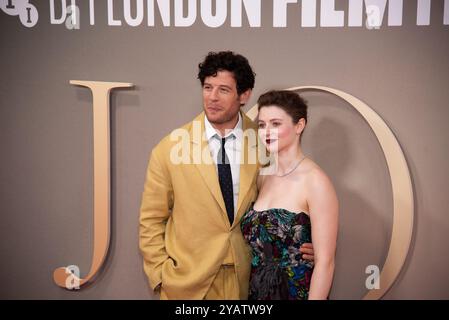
(315, 176)
(320, 192)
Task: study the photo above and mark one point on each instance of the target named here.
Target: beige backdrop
(46, 162)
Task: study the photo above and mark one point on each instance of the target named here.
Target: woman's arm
(323, 210)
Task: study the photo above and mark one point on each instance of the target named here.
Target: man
(190, 235)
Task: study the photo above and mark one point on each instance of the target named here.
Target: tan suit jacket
(185, 234)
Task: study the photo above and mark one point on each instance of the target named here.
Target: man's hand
(157, 290)
(307, 251)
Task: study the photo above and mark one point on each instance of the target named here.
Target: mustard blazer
(185, 234)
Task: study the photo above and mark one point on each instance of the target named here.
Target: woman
(296, 204)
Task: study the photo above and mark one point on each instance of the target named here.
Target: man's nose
(214, 94)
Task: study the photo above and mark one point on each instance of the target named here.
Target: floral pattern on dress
(278, 271)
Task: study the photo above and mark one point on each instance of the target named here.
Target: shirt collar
(211, 132)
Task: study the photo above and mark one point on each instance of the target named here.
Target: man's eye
(224, 90)
(276, 124)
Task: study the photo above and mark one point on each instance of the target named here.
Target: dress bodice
(277, 269)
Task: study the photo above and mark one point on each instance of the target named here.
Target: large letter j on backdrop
(64, 276)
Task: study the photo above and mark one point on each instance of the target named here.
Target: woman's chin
(272, 148)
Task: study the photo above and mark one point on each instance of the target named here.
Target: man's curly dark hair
(228, 61)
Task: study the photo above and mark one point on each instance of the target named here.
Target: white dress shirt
(233, 148)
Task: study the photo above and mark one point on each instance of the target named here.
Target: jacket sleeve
(157, 202)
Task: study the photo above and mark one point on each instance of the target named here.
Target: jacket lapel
(202, 159)
(249, 164)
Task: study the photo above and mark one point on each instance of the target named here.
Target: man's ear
(244, 97)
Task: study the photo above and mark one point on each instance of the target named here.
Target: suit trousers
(225, 285)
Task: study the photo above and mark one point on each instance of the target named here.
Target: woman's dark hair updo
(289, 101)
